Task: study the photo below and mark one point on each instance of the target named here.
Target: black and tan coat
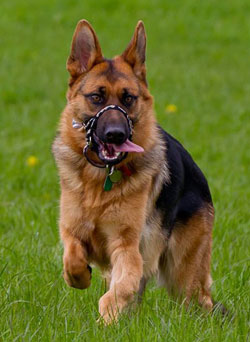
(157, 222)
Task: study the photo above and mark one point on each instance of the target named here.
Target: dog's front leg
(123, 239)
(76, 271)
(126, 274)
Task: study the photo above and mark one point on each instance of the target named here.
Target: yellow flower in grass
(171, 108)
(32, 161)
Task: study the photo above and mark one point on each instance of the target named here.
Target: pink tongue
(128, 146)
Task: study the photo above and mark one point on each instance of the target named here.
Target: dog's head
(97, 82)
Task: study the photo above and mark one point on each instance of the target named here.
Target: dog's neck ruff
(90, 127)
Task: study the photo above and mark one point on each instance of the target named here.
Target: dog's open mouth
(108, 152)
(112, 153)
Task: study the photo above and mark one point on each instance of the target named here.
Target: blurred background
(198, 55)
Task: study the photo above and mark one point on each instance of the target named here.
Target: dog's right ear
(85, 50)
(136, 50)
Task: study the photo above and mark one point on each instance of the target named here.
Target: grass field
(198, 59)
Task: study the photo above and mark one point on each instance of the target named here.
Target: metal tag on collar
(113, 176)
(116, 176)
(108, 183)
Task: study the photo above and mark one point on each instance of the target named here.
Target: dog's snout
(112, 128)
(115, 135)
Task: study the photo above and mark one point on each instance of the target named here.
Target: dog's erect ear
(136, 51)
(85, 50)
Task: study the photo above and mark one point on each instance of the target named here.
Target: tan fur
(120, 231)
(185, 266)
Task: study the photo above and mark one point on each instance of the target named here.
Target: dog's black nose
(115, 135)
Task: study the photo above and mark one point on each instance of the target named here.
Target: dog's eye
(96, 99)
(128, 99)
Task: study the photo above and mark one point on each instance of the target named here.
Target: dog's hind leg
(142, 287)
(184, 268)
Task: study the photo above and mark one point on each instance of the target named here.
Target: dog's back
(186, 191)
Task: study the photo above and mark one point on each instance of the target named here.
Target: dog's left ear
(136, 51)
(85, 50)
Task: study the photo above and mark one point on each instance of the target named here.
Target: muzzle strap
(91, 124)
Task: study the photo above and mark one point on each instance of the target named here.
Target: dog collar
(90, 127)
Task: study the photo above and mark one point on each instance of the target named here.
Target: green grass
(198, 59)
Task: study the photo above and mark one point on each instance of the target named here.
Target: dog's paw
(77, 274)
(109, 308)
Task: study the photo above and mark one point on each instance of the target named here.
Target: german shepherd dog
(134, 203)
